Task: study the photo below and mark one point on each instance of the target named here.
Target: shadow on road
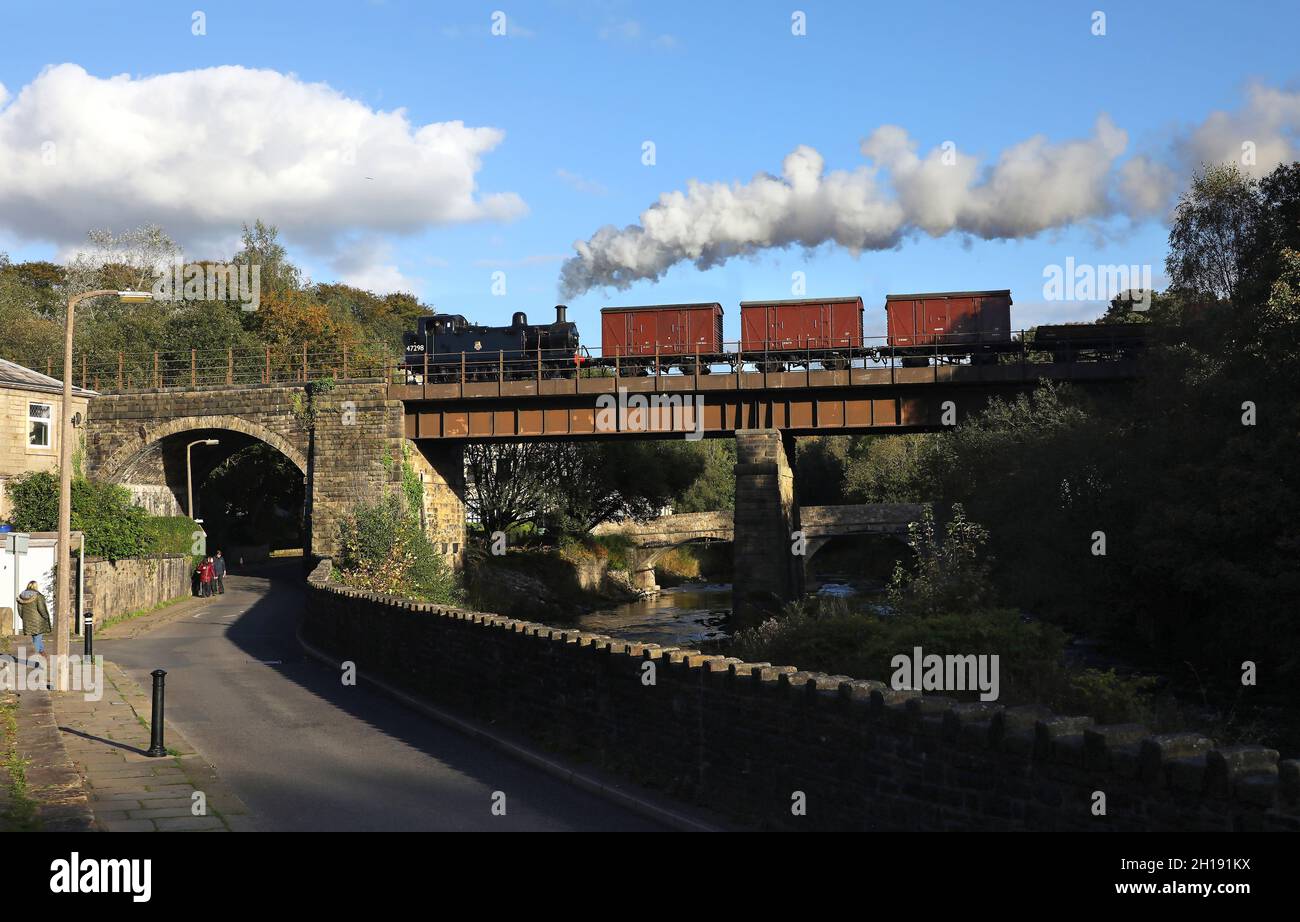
(305, 751)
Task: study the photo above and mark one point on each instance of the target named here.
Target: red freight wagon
(949, 324)
(666, 330)
(790, 329)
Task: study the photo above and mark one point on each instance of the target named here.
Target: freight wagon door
(672, 332)
(645, 332)
(698, 325)
(819, 327)
(937, 314)
(843, 324)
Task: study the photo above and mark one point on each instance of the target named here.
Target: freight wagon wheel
(835, 363)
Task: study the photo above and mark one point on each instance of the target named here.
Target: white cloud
(631, 31)
(200, 152)
(582, 183)
(367, 263)
(628, 30)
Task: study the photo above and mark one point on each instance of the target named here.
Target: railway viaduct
(354, 439)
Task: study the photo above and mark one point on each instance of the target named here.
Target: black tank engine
(443, 344)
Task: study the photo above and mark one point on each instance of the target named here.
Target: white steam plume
(1034, 186)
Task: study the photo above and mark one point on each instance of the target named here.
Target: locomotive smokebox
(561, 313)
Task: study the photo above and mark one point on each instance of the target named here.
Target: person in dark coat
(35, 615)
(219, 573)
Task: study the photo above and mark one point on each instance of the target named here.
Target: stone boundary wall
(742, 738)
(117, 587)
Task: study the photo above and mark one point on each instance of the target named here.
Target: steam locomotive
(940, 327)
(445, 346)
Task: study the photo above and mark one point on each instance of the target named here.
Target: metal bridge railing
(116, 372)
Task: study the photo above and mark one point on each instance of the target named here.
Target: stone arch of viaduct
(347, 442)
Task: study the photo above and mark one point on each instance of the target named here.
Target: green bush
(950, 575)
(384, 550)
(826, 636)
(113, 527)
(171, 534)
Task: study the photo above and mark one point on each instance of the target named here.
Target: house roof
(23, 378)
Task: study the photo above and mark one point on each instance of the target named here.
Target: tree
(887, 469)
(715, 487)
(1214, 233)
(256, 487)
(384, 550)
(287, 320)
(506, 483)
(261, 248)
(129, 261)
(571, 487)
(607, 481)
(951, 576)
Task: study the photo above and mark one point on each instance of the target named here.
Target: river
(697, 612)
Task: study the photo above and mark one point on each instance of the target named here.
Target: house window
(38, 425)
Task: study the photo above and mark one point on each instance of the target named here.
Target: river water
(693, 613)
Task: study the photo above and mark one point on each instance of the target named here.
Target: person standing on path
(35, 615)
(205, 578)
(219, 573)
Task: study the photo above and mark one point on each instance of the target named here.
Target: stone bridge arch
(820, 525)
(652, 539)
(347, 440)
(119, 467)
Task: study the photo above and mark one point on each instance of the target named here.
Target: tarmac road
(307, 753)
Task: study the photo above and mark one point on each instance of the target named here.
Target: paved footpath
(127, 790)
(40, 788)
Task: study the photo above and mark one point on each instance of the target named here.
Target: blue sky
(724, 91)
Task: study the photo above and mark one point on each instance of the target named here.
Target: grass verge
(19, 814)
(132, 615)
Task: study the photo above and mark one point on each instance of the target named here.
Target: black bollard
(88, 634)
(156, 748)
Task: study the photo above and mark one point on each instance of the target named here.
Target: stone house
(30, 410)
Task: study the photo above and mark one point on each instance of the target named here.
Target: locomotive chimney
(561, 313)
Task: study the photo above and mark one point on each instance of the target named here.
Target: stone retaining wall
(748, 739)
(117, 587)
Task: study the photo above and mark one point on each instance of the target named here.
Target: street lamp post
(63, 576)
(189, 482)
